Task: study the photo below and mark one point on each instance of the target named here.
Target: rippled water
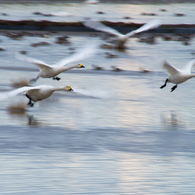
(117, 133)
(111, 12)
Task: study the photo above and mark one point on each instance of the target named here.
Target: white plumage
(36, 93)
(120, 38)
(178, 76)
(51, 71)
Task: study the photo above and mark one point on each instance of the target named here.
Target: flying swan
(36, 93)
(178, 76)
(51, 71)
(120, 38)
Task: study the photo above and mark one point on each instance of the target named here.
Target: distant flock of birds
(41, 92)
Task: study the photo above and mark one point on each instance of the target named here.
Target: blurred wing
(189, 65)
(5, 95)
(170, 69)
(84, 53)
(101, 27)
(39, 63)
(150, 25)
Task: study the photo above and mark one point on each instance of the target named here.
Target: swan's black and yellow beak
(70, 89)
(81, 66)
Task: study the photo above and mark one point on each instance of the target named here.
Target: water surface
(117, 133)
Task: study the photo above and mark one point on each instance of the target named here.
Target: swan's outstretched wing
(189, 65)
(150, 25)
(5, 95)
(39, 63)
(101, 27)
(82, 54)
(170, 69)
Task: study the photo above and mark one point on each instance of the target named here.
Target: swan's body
(91, 1)
(120, 38)
(178, 76)
(36, 93)
(51, 71)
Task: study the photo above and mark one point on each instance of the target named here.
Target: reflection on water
(32, 121)
(17, 108)
(114, 134)
(172, 120)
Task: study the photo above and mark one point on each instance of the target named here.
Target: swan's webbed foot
(30, 103)
(173, 88)
(34, 80)
(164, 84)
(56, 78)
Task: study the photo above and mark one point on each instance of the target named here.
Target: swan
(91, 1)
(178, 76)
(51, 71)
(121, 39)
(36, 93)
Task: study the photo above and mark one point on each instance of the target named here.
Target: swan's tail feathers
(148, 26)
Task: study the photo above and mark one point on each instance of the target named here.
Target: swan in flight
(34, 94)
(91, 1)
(121, 39)
(178, 76)
(51, 71)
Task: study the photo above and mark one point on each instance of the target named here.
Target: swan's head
(80, 66)
(68, 88)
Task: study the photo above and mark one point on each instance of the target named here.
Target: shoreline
(45, 25)
(103, 1)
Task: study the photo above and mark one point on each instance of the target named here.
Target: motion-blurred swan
(178, 76)
(51, 71)
(121, 39)
(36, 93)
(91, 1)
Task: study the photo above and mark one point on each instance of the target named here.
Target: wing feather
(5, 95)
(101, 27)
(39, 63)
(150, 25)
(82, 54)
(170, 69)
(189, 65)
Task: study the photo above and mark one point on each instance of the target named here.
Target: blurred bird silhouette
(120, 38)
(178, 76)
(51, 71)
(34, 94)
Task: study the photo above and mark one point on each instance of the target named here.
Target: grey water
(117, 132)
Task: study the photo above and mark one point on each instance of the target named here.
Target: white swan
(121, 39)
(51, 71)
(36, 93)
(178, 76)
(91, 1)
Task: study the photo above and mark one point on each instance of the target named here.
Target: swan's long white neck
(69, 67)
(60, 89)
